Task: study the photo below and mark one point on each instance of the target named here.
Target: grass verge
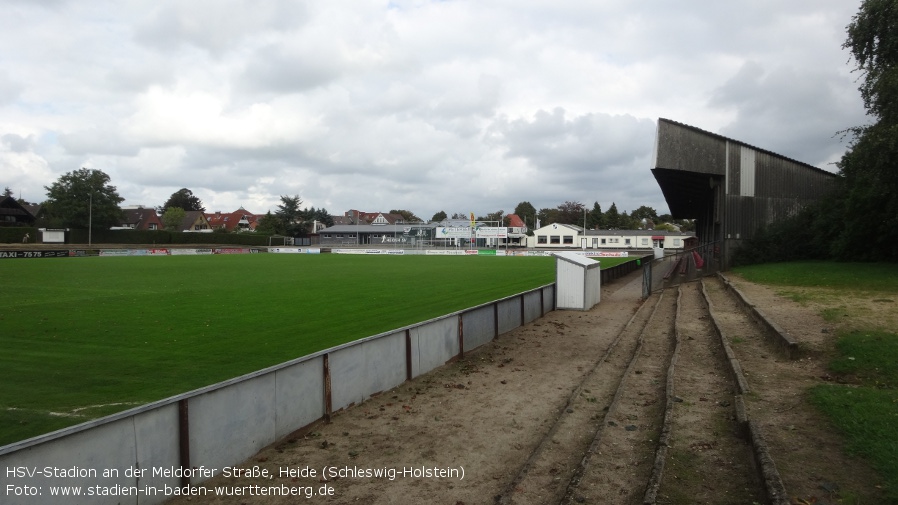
(86, 337)
(865, 408)
(866, 411)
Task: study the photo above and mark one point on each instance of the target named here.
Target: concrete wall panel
(479, 326)
(361, 370)
(433, 344)
(509, 314)
(156, 432)
(243, 414)
(532, 307)
(90, 452)
(300, 395)
(549, 299)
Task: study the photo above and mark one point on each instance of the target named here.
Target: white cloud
(425, 105)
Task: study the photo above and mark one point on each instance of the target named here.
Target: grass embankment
(865, 408)
(86, 337)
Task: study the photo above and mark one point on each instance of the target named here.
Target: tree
(289, 214)
(439, 217)
(173, 217)
(594, 218)
(612, 217)
(644, 212)
(526, 211)
(311, 215)
(867, 198)
(270, 225)
(571, 213)
(7, 191)
(495, 217)
(83, 199)
(182, 199)
(547, 216)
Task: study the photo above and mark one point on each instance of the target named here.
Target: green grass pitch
(86, 337)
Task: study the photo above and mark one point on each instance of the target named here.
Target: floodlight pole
(90, 218)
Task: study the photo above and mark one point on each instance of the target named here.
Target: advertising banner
(33, 254)
(465, 232)
(605, 254)
(285, 250)
(189, 252)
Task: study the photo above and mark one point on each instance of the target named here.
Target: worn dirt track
(566, 409)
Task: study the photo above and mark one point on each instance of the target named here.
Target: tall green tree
(183, 199)
(83, 198)
(547, 216)
(644, 212)
(571, 213)
(612, 217)
(594, 218)
(311, 215)
(290, 215)
(526, 211)
(868, 195)
(439, 217)
(270, 225)
(7, 191)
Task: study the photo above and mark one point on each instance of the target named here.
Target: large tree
(868, 196)
(290, 215)
(270, 225)
(594, 218)
(439, 217)
(83, 199)
(612, 217)
(571, 213)
(183, 199)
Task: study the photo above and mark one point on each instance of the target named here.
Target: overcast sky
(460, 106)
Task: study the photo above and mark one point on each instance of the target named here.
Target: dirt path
(532, 418)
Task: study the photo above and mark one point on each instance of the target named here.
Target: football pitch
(86, 337)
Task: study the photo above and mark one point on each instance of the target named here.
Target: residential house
(517, 230)
(353, 216)
(13, 213)
(141, 218)
(240, 220)
(195, 222)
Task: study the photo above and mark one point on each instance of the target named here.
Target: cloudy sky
(460, 106)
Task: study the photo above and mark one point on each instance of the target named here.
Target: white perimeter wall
(226, 423)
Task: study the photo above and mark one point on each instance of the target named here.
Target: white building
(569, 236)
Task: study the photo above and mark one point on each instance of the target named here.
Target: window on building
(554, 239)
(676, 242)
(604, 241)
(645, 241)
(568, 239)
(627, 241)
(541, 239)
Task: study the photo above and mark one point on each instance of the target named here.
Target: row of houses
(357, 228)
(13, 213)
(142, 218)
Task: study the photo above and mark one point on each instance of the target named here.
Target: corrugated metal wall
(756, 187)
